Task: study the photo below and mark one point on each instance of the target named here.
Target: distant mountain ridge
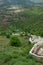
(37, 1)
(22, 3)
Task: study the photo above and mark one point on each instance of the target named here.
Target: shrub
(2, 33)
(41, 34)
(8, 35)
(14, 41)
(29, 42)
(26, 34)
(5, 58)
(21, 34)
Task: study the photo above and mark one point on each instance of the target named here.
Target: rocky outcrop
(37, 49)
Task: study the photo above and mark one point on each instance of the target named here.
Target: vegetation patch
(14, 41)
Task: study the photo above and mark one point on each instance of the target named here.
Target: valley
(19, 20)
(28, 20)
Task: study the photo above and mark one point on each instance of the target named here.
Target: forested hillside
(30, 20)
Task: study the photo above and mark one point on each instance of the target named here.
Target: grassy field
(11, 55)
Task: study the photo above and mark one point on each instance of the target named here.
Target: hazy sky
(38, 1)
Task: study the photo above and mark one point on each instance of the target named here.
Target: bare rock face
(37, 49)
(40, 52)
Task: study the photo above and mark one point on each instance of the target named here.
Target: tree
(14, 41)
